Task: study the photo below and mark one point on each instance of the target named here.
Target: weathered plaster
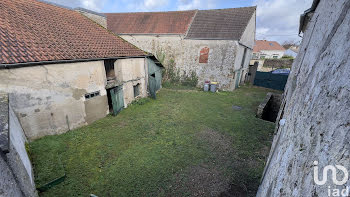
(45, 96)
(316, 112)
(18, 158)
(96, 108)
(130, 72)
(16, 173)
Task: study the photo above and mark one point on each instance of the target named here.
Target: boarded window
(204, 54)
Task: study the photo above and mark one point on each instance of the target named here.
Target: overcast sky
(276, 19)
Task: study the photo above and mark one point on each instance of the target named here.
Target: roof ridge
(230, 8)
(150, 12)
(89, 11)
(178, 10)
(55, 4)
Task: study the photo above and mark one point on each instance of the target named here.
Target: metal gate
(117, 99)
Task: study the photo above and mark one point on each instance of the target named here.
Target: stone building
(59, 80)
(314, 127)
(213, 45)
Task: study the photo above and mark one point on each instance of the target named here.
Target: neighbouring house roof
(267, 46)
(33, 31)
(176, 22)
(227, 24)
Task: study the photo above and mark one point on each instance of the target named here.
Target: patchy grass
(184, 143)
(178, 86)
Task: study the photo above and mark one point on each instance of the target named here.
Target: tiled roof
(176, 22)
(221, 23)
(33, 31)
(267, 46)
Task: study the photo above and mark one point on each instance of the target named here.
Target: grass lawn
(185, 143)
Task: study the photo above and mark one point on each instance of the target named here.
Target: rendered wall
(270, 54)
(16, 173)
(130, 72)
(50, 99)
(316, 109)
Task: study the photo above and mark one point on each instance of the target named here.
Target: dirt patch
(212, 177)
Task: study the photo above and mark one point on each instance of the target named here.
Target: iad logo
(333, 170)
(334, 174)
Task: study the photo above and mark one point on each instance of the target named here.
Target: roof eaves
(303, 17)
(28, 64)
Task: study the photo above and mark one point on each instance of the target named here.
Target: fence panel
(269, 80)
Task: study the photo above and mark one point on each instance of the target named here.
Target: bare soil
(210, 178)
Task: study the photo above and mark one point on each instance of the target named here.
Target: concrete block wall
(16, 172)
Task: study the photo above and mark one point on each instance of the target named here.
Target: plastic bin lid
(214, 83)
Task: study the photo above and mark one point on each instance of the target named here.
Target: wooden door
(117, 99)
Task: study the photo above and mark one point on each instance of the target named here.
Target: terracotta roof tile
(267, 46)
(33, 31)
(176, 22)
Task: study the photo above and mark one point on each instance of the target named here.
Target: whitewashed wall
(50, 99)
(317, 109)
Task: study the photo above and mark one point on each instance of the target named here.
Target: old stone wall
(315, 124)
(184, 55)
(129, 73)
(50, 99)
